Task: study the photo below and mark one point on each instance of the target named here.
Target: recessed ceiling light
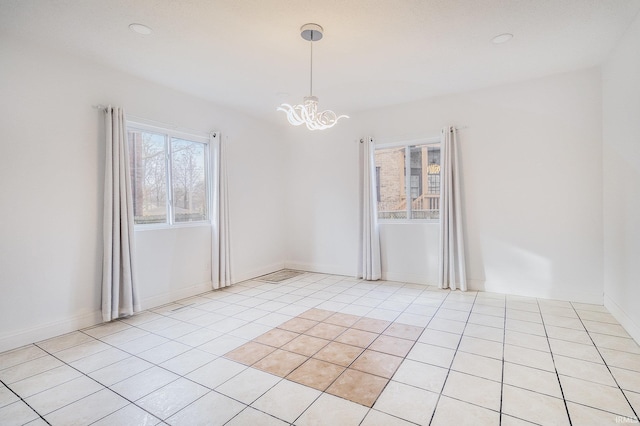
(140, 29)
(501, 38)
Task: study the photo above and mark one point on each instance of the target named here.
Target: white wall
(532, 188)
(621, 147)
(51, 181)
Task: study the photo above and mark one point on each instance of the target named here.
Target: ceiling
(248, 54)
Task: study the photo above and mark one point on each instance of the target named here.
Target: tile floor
(330, 350)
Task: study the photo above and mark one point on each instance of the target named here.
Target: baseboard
(50, 329)
(172, 296)
(406, 278)
(320, 269)
(625, 320)
(236, 278)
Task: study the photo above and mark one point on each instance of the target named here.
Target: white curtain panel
(369, 264)
(451, 260)
(221, 248)
(119, 292)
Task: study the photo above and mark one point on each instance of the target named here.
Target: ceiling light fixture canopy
(308, 113)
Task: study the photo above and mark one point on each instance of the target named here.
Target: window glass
(188, 176)
(169, 177)
(149, 176)
(392, 201)
(415, 165)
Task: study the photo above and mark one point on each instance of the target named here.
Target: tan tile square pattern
(343, 354)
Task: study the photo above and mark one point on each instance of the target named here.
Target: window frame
(169, 135)
(407, 144)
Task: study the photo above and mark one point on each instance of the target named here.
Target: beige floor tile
(216, 372)
(528, 357)
(186, 362)
(339, 353)
(331, 410)
(525, 340)
(280, 362)
(251, 416)
(211, 409)
(627, 379)
(43, 381)
(130, 415)
(30, 368)
(488, 320)
(477, 365)
(517, 314)
(120, 371)
(595, 395)
(440, 338)
(474, 390)
(17, 413)
(249, 353)
(453, 412)
(421, 375)
(575, 350)
(276, 337)
(532, 379)
(634, 400)
(614, 342)
(430, 354)
(248, 385)
(357, 386)
(513, 421)
(325, 331)
(482, 347)
(172, 398)
(533, 406)
(378, 418)
(316, 374)
(621, 359)
(588, 416)
(298, 399)
(450, 326)
(484, 332)
(605, 328)
(578, 336)
(563, 321)
(591, 371)
(392, 345)
(407, 402)
(526, 327)
(64, 394)
(64, 342)
(87, 410)
(305, 345)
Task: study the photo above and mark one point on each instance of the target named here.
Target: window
(169, 175)
(408, 172)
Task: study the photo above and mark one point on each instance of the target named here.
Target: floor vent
(279, 276)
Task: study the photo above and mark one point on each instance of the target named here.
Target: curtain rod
(418, 138)
(162, 125)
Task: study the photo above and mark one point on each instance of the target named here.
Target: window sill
(159, 226)
(408, 222)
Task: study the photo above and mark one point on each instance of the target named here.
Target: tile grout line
(444, 383)
(24, 402)
(504, 343)
(607, 366)
(564, 400)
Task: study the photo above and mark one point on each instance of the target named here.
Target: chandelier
(308, 113)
